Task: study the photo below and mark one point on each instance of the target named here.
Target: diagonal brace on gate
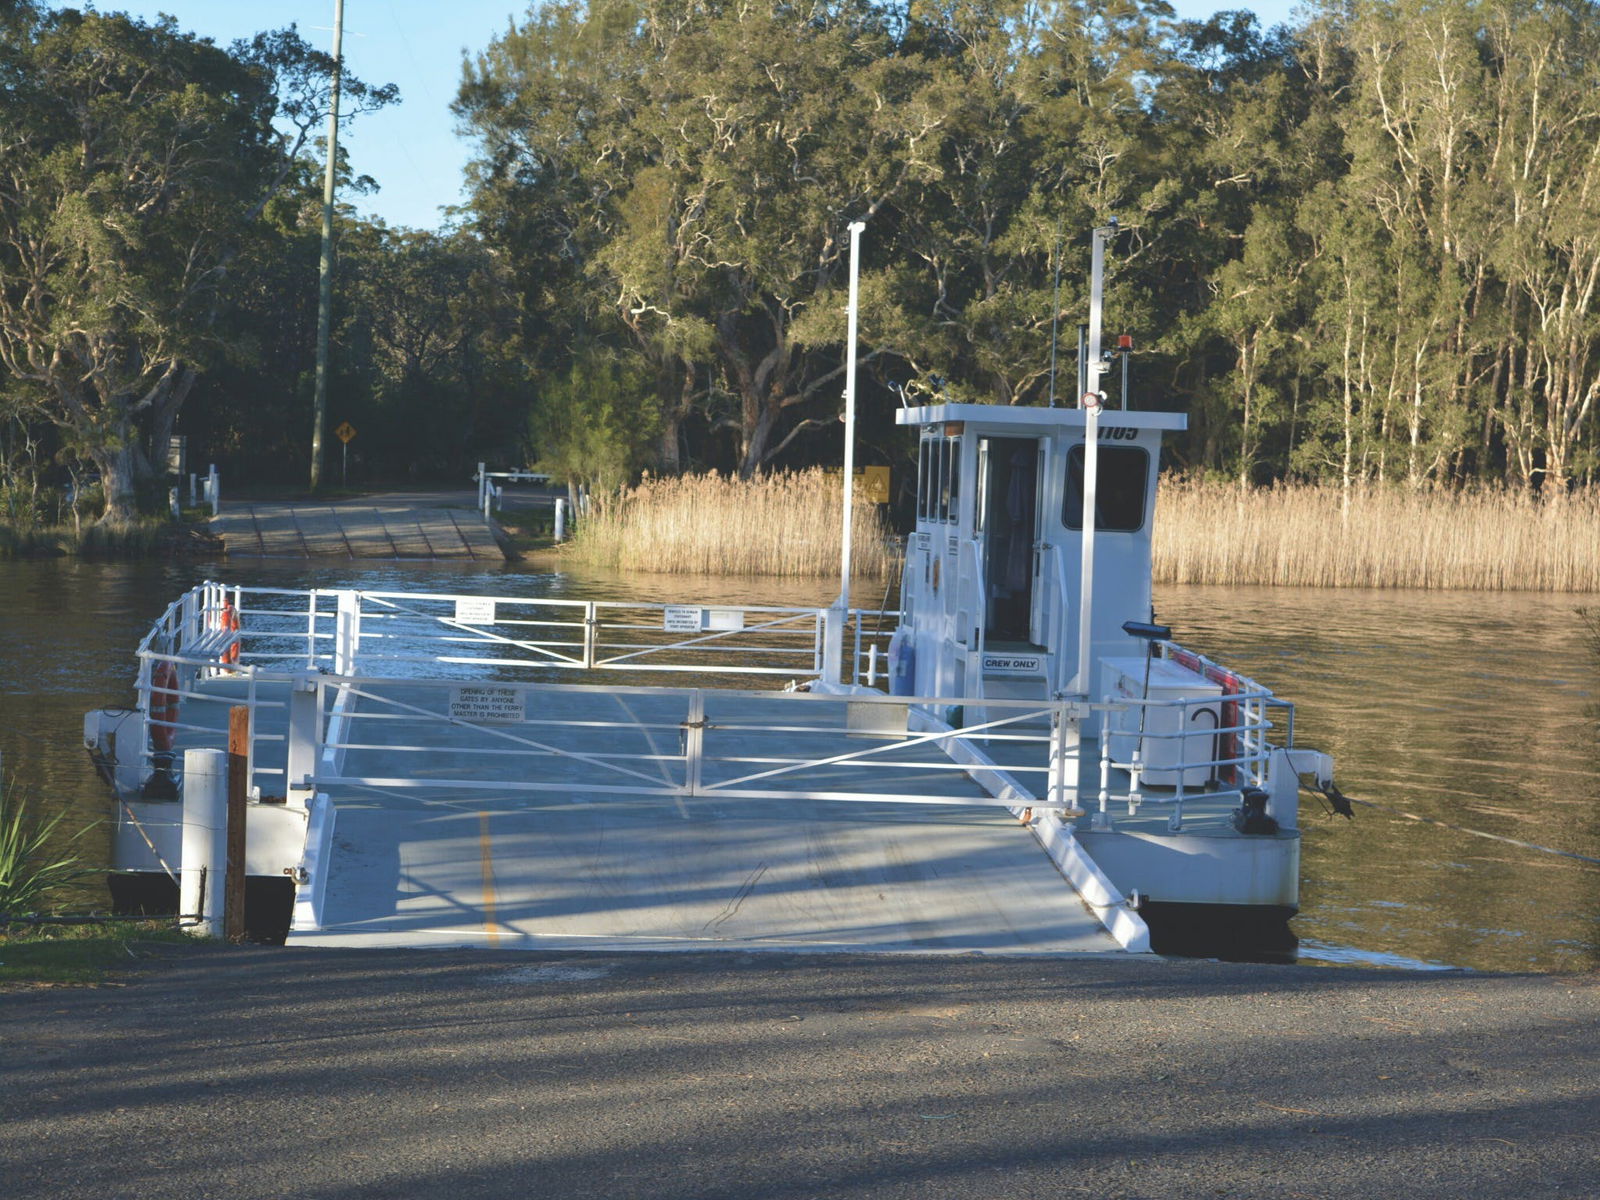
(710, 637)
(857, 755)
(483, 634)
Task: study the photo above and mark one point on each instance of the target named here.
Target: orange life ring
(230, 622)
(163, 706)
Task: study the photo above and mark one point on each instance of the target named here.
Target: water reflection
(1469, 708)
(1465, 707)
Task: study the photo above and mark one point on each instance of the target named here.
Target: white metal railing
(377, 660)
(282, 632)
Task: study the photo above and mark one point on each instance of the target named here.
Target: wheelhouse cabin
(992, 594)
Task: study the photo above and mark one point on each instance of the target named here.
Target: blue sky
(411, 148)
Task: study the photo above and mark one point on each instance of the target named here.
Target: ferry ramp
(444, 837)
(418, 525)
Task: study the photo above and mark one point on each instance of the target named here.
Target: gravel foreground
(255, 1072)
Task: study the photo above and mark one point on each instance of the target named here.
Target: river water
(1479, 710)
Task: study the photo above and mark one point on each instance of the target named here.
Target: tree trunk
(117, 464)
(757, 434)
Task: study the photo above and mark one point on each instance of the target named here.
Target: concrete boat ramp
(397, 526)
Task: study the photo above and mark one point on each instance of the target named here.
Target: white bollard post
(194, 490)
(205, 841)
(833, 620)
(483, 478)
(214, 491)
(177, 510)
(561, 518)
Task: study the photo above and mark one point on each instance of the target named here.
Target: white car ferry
(1017, 760)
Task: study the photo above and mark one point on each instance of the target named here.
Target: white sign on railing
(475, 610)
(688, 618)
(488, 705)
(681, 618)
(725, 618)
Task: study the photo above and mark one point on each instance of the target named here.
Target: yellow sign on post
(345, 432)
(872, 484)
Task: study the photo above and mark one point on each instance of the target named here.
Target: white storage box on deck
(1176, 733)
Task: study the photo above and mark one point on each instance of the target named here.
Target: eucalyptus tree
(1542, 168)
(135, 161)
(551, 103)
(689, 169)
(1456, 256)
(1046, 131)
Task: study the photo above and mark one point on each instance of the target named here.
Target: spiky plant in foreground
(30, 868)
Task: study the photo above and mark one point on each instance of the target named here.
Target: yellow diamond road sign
(345, 432)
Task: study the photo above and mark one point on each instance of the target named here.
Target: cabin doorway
(1008, 496)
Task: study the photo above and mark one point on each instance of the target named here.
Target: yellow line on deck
(487, 859)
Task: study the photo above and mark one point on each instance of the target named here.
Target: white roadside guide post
(205, 840)
(834, 622)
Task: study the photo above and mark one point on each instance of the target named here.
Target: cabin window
(1121, 478)
(952, 455)
(924, 478)
(942, 500)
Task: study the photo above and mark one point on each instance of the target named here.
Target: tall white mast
(856, 228)
(1092, 401)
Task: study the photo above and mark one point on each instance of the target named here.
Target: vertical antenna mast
(1055, 318)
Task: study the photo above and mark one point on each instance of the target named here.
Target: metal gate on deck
(595, 742)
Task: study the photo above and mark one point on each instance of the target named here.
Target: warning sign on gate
(488, 705)
(683, 618)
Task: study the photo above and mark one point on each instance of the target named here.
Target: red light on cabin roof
(1125, 341)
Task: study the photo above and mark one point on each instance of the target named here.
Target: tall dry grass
(786, 523)
(1306, 536)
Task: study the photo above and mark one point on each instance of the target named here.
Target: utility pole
(319, 403)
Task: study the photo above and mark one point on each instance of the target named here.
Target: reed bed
(138, 540)
(786, 523)
(1307, 536)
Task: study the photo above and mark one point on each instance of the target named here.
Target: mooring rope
(165, 866)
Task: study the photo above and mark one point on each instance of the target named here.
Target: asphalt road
(210, 1072)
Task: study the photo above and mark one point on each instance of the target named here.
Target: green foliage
(31, 865)
(1361, 248)
(138, 160)
(593, 424)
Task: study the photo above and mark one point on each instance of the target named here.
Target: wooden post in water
(238, 788)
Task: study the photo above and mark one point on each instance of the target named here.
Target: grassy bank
(1306, 536)
(136, 540)
(79, 954)
(781, 524)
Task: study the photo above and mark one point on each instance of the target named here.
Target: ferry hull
(1201, 867)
